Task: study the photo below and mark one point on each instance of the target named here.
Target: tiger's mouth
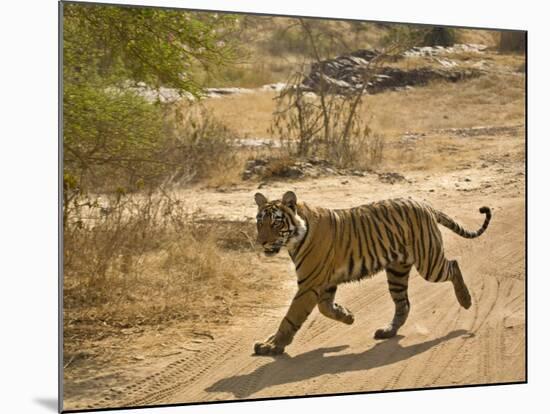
(271, 251)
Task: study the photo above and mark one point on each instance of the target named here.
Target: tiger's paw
(342, 314)
(348, 318)
(267, 348)
(384, 333)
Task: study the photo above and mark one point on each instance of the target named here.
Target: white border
(28, 209)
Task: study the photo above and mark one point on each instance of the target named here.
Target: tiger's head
(278, 223)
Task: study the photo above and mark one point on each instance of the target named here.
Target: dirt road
(441, 343)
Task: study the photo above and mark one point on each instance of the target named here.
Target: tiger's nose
(260, 241)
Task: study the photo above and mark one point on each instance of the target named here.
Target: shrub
(327, 126)
(407, 36)
(110, 137)
(199, 146)
(438, 36)
(287, 40)
(142, 260)
(512, 41)
(116, 143)
(294, 38)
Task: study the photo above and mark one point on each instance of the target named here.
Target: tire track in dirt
(161, 385)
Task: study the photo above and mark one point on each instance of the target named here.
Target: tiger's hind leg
(398, 282)
(332, 310)
(461, 290)
(443, 270)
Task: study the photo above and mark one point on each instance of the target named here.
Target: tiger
(331, 247)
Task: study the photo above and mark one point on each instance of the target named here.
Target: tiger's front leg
(300, 308)
(332, 310)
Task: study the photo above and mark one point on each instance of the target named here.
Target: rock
(255, 167)
(255, 162)
(277, 87)
(312, 167)
(292, 172)
(440, 50)
(390, 177)
(366, 54)
(214, 92)
(447, 63)
(345, 74)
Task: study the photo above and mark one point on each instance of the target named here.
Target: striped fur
(330, 247)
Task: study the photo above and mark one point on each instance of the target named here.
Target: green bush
(114, 141)
(439, 36)
(296, 39)
(288, 40)
(406, 36)
(110, 137)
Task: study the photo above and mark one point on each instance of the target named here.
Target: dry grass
(248, 114)
(227, 175)
(484, 37)
(488, 100)
(143, 261)
(199, 146)
(493, 99)
(441, 151)
(278, 167)
(253, 71)
(505, 62)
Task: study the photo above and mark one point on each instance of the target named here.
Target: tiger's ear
(260, 199)
(289, 200)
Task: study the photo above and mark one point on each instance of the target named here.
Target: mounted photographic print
(260, 206)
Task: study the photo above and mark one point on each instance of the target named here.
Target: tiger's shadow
(285, 369)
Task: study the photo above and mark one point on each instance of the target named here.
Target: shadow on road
(285, 369)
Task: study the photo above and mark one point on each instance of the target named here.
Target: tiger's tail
(448, 222)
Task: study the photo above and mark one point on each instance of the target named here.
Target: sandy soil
(440, 345)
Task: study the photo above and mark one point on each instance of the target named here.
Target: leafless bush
(327, 127)
(142, 260)
(326, 124)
